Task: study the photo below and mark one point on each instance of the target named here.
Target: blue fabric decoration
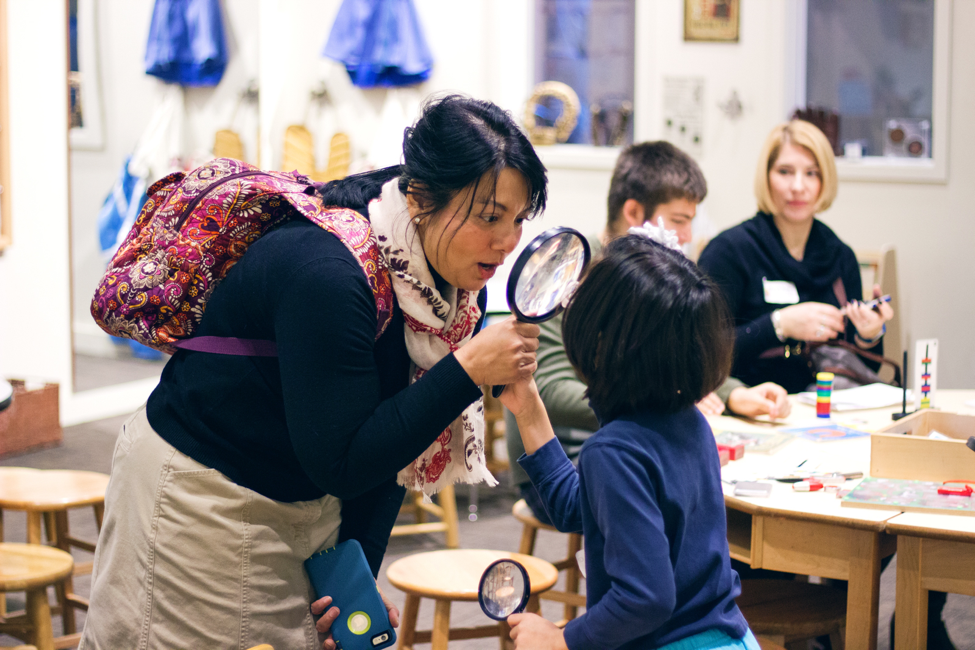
(380, 42)
(120, 209)
(186, 42)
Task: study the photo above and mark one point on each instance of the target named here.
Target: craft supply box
(903, 450)
(32, 420)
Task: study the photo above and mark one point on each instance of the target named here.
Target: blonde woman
(785, 274)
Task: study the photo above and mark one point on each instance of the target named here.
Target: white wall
(481, 47)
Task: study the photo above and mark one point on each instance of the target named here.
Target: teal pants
(714, 640)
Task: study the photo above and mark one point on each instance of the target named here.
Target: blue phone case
(343, 573)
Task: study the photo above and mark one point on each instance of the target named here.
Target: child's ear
(633, 213)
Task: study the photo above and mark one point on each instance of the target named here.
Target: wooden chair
(570, 595)
(48, 495)
(493, 431)
(880, 267)
(32, 568)
(445, 510)
(454, 575)
(787, 611)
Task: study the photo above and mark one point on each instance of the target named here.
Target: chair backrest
(880, 267)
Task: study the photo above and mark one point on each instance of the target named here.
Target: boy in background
(651, 181)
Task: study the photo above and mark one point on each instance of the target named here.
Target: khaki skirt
(188, 559)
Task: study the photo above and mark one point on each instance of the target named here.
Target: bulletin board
(5, 231)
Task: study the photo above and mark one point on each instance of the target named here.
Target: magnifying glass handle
(497, 390)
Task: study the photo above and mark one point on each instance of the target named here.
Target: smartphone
(343, 573)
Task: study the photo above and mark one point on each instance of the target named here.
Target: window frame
(882, 168)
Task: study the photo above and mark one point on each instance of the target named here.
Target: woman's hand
(767, 398)
(869, 321)
(711, 405)
(532, 632)
(501, 353)
(324, 624)
(812, 321)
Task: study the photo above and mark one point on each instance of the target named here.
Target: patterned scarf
(437, 323)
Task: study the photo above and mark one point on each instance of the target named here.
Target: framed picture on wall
(711, 20)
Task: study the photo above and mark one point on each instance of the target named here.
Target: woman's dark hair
(454, 143)
(647, 330)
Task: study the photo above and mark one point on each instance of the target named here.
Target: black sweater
(334, 412)
(741, 256)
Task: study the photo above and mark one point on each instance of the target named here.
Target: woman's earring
(416, 220)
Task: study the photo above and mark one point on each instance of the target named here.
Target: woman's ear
(633, 213)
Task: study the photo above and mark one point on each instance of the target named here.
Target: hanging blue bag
(380, 42)
(186, 42)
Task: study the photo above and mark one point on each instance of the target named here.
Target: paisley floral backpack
(192, 230)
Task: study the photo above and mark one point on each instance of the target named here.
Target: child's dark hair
(453, 144)
(647, 330)
(653, 173)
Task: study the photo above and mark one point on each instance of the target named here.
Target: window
(879, 66)
(589, 45)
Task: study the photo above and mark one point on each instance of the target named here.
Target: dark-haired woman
(240, 468)
(647, 331)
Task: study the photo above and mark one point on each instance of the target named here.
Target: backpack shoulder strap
(355, 231)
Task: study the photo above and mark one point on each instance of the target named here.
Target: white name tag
(780, 292)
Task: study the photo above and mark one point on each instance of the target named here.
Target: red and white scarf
(437, 323)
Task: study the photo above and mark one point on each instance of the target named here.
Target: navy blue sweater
(334, 412)
(647, 496)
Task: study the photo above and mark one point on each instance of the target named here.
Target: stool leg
(441, 625)
(528, 534)
(534, 605)
(99, 509)
(572, 575)
(39, 615)
(448, 501)
(407, 629)
(33, 527)
(50, 524)
(3, 596)
(504, 633)
(65, 588)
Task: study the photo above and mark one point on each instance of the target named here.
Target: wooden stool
(570, 596)
(50, 493)
(784, 611)
(446, 576)
(446, 512)
(493, 430)
(32, 568)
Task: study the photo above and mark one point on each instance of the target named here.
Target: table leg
(912, 597)
(411, 608)
(441, 625)
(39, 615)
(863, 596)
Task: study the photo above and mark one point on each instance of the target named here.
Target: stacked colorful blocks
(824, 389)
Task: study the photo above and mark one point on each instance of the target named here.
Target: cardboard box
(32, 421)
(902, 449)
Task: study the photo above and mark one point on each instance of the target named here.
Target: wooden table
(934, 553)
(810, 533)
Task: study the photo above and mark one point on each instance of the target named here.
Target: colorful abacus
(824, 388)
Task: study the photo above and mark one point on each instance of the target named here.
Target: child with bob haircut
(650, 335)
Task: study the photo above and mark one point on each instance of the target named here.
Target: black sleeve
(720, 261)
(347, 439)
(369, 517)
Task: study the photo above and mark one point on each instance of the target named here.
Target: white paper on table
(871, 396)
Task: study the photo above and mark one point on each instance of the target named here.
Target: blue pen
(873, 304)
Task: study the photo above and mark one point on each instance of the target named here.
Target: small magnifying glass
(504, 589)
(545, 276)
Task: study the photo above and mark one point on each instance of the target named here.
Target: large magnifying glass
(504, 589)
(545, 276)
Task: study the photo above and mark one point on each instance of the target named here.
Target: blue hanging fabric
(186, 42)
(380, 42)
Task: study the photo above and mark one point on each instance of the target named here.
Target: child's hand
(325, 620)
(520, 397)
(532, 632)
(711, 404)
